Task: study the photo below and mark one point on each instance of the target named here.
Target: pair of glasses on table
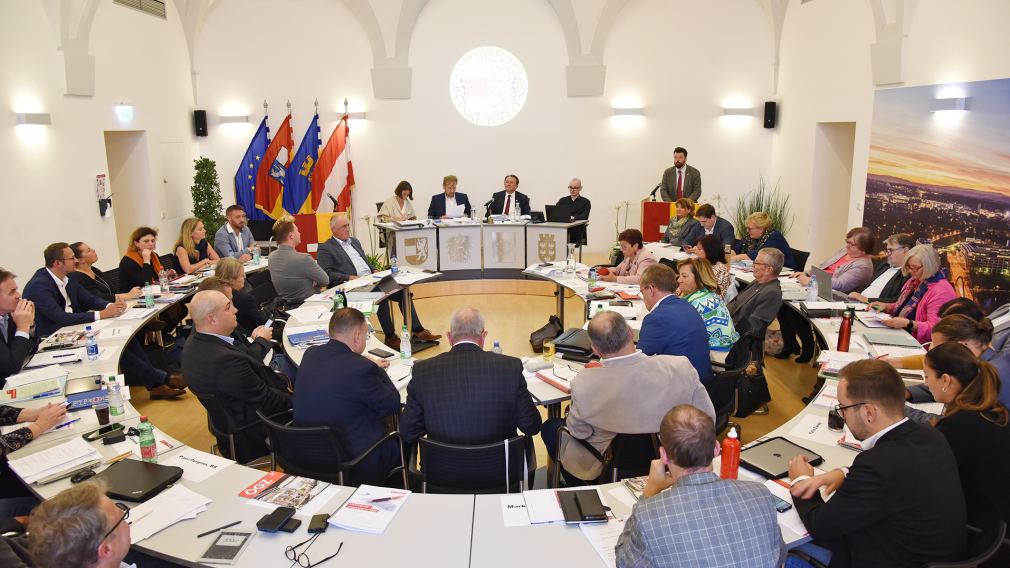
(302, 558)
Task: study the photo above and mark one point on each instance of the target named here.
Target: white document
(873, 318)
(455, 211)
(896, 350)
(603, 537)
(310, 314)
(828, 397)
(542, 506)
(320, 297)
(370, 509)
(164, 510)
(53, 460)
(36, 375)
(405, 278)
(136, 313)
(513, 510)
(815, 428)
(120, 332)
(790, 519)
(62, 356)
(363, 307)
(109, 353)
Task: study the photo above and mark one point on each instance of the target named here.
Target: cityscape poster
(943, 174)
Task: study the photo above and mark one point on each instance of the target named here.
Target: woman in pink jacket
(917, 308)
(636, 259)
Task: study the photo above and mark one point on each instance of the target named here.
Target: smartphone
(781, 505)
(318, 523)
(380, 353)
(268, 324)
(276, 520)
(102, 432)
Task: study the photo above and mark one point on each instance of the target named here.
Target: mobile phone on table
(102, 432)
(380, 353)
(275, 520)
(781, 505)
(318, 523)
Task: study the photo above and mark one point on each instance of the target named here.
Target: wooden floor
(512, 310)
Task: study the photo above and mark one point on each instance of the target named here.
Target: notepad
(53, 462)
(62, 356)
(370, 509)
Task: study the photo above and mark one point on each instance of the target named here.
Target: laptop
(557, 214)
(771, 457)
(537, 217)
(138, 481)
(386, 285)
(824, 290)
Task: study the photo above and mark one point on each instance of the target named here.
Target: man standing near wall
(681, 180)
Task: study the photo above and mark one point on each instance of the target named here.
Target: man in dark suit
(578, 208)
(681, 180)
(343, 259)
(710, 224)
(239, 381)
(900, 503)
(16, 318)
(61, 302)
(468, 396)
(340, 388)
(440, 204)
(754, 308)
(888, 279)
(505, 202)
(672, 326)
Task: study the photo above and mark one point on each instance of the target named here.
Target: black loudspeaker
(770, 113)
(200, 122)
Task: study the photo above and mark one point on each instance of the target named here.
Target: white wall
(826, 76)
(48, 190)
(554, 137)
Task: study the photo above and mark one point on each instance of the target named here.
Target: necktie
(508, 201)
(3, 326)
(680, 185)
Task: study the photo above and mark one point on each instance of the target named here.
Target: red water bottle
(845, 331)
(730, 455)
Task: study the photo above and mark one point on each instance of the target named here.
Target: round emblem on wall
(488, 86)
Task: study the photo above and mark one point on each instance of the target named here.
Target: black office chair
(799, 259)
(500, 467)
(982, 546)
(224, 428)
(315, 452)
(722, 390)
(629, 455)
(168, 262)
(112, 277)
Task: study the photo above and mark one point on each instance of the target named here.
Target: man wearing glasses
(900, 503)
(754, 308)
(80, 527)
(887, 278)
(577, 208)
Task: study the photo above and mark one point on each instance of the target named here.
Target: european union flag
(245, 177)
(298, 179)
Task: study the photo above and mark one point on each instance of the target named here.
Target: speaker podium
(655, 214)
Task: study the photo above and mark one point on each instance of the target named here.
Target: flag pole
(347, 150)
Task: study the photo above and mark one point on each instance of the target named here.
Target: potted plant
(374, 259)
(773, 202)
(206, 193)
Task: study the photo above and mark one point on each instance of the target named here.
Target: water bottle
(148, 447)
(339, 300)
(163, 280)
(148, 296)
(497, 347)
(570, 261)
(115, 395)
(404, 343)
(730, 455)
(812, 289)
(592, 278)
(393, 268)
(91, 343)
(256, 255)
(845, 331)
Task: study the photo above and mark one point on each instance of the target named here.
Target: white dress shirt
(877, 286)
(359, 263)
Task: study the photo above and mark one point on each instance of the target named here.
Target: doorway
(831, 186)
(130, 180)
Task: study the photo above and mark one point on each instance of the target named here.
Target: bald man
(578, 210)
(240, 382)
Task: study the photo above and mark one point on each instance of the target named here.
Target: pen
(212, 531)
(64, 355)
(67, 424)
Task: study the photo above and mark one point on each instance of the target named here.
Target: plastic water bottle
(116, 406)
(148, 296)
(339, 301)
(812, 289)
(497, 347)
(592, 278)
(393, 268)
(148, 445)
(91, 343)
(730, 456)
(256, 255)
(404, 343)
(570, 261)
(163, 280)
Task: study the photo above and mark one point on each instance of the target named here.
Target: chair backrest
(261, 229)
(168, 262)
(378, 206)
(799, 259)
(722, 390)
(981, 548)
(112, 277)
(219, 422)
(631, 456)
(499, 467)
(308, 451)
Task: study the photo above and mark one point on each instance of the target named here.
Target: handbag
(550, 330)
(751, 392)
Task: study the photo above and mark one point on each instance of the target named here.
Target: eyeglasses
(895, 249)
(849, 243)
(68, 259)
(838, 408)
(302, 558)
(574, 187)
(126, 515)
(756, 263)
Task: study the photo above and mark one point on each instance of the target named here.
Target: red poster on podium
(655, 214)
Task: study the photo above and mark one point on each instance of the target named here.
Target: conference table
(429, 530)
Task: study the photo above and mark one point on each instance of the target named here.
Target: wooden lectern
(655, 214)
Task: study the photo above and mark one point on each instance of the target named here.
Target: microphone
(335, 201)
(654, 190)
(489, 202)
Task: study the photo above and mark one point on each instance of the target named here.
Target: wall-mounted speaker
(200, 122)
(771, 111)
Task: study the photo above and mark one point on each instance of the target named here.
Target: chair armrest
(283, 417)
(373, 447)
(807, 558)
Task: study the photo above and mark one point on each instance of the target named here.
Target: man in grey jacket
(295, 275)
(681, 180)
(629, 394)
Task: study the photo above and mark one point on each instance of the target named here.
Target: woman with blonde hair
(917, 308)
(192, 249)
(697, 285)
(249, 315)
(680, 226)
(761, 234)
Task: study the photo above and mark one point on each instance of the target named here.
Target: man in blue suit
(340, 388)
(440, 204)
(673, 326)
(61, 302)
(506, 201)
(710, 224)
(16, 318)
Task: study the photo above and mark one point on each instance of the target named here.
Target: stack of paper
(833, 361)
(55, 462)
(136, 313)
(310, 314)
(603, 537)
(37, 383)
(873, 318)
(405, 278)
(370, 509)
(163, 511)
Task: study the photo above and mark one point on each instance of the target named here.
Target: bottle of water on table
(91, 343)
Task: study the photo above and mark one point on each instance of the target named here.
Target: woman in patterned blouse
(710, 248)
(696, 284)
(14, 499)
